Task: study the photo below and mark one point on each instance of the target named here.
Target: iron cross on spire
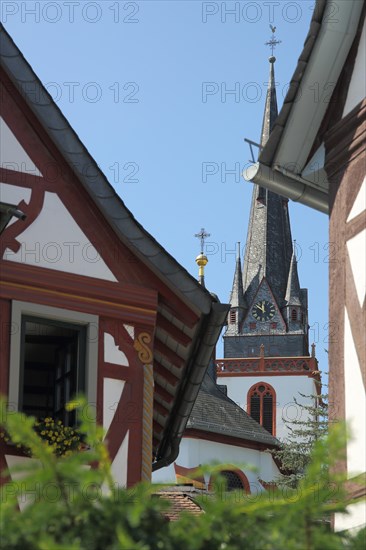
(202, 235)
(272, 43)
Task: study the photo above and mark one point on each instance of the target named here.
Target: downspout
(288, 185)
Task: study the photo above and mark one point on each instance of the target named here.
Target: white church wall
(197, 452)
(286, 388)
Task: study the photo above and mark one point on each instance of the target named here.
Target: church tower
(266, 350)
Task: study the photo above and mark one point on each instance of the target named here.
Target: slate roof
(293, 293)
(237, 294)
(269, 244)
(214, 412)
(271, 109)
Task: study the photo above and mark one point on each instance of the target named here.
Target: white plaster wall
(357, 254)
(355, 402)
(354, 520)
(12, 194)
(12, 154)
(360, 203)
(112, 391)
(286, 388)
(196, 452)
(55, 241)
(357, 87)
(112, 352)
(119, 464)
(17, 473)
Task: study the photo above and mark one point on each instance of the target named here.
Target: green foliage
(296, 451)
(63, 439)
(77, 507)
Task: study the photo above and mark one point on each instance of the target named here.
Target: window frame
(23, 310)
(268, 388)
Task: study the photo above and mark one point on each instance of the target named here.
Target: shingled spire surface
(293, 294)
(237, 294)
(262, 318)
(269, 246)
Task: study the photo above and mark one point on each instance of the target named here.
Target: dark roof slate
(268, 248)
(237, 294)
(214, 412)
(293, 293)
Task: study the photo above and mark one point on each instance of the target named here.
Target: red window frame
(257, 391)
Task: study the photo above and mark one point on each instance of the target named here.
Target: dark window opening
(252, 326)
(273, 325)
(294, 315)
(261, 405)
(233, 481)
(232, 317)
(255, 407)
(52, 367)
(267, 411)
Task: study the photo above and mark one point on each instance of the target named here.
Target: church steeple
(269, 270)
(269, 245)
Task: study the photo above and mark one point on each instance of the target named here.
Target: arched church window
(235, 480)
(261, 405)
(232, 317)
(294, 315)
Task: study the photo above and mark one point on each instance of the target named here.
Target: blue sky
(146, 85)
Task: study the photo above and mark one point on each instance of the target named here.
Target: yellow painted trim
(78, 298)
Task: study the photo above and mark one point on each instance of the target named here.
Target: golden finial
(202, 259)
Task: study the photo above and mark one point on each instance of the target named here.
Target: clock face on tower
(263, 310)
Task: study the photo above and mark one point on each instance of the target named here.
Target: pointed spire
(237, 294)
(268, 247)
(271, 110)
(293, 294)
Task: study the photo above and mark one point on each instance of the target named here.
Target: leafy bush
(75, 505)
(63, 439)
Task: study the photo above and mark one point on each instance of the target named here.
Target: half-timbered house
(316, 155)
(90, 302)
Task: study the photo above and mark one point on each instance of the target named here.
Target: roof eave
(284, 157)
(206, 340)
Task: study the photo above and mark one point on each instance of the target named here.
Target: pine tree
(295, 452)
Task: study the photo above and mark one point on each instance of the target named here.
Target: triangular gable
(55, 241)
(265, 294)
(63, 230)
